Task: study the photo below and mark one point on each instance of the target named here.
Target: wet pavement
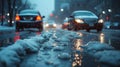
(79, 57)
(82, 59)
(10, 37)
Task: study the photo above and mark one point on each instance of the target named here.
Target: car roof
(82, 11)
(84, 14)
(29, 11)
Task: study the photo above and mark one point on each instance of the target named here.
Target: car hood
(86, 17)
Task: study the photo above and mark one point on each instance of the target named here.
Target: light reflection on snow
(17, 36)
(54, 44)
(77, 44)
(77, 60)
(80, 34)
(102, 38)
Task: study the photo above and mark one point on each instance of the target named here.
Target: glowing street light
(103, 12)
(61, 10)
(8, 14)
(109, 10)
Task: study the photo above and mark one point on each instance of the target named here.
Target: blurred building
(64, 8)
(61, 11)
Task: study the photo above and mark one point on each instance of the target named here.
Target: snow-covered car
(115, 24)
(87, 20)
(50, 24)
(29, 19)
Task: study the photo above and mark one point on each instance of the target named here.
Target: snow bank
(5, 28)
(95, 46)
(56, 51)
(64, 56)
(111, 57)
(12, 55)
(9, 58)
(104, 53)
(66, 36)
(51, 49)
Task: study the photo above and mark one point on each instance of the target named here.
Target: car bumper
(29, 24)
(88, 26)
(50, 26)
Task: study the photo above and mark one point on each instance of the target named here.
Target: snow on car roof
(84, 14)
(29, 11)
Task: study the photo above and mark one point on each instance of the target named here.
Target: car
(65, 23)
(83, 19)
(29, 19)
(50, 24)
(115, 22)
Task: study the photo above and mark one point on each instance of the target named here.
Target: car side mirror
(71, 16)
(43, 16)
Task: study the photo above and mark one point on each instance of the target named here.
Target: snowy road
(62, 48)
(10, 37)
(79, 58)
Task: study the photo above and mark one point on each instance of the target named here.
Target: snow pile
(104, 53)
(94, 46)
(12, 55)
(64, 56)
(66, 36)
(5, 28)
(56, 51)
(111, 57)
(58, 48)
(52, 48)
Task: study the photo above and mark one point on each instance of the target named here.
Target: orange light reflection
(102, 38)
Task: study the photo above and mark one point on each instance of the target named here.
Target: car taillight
(17, 18)
(38, 18)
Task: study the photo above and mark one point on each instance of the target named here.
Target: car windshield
(83, 14)
(29, 11)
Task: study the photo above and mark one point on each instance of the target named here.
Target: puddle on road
(81, 59)
(111, 40)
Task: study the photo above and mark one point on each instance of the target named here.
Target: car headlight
(47, 25)
(54, 25)
(67, 23)
(79, 21)
(100, 21)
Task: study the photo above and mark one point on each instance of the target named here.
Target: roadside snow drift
(104, 53)
(12, 55)
(50, 47)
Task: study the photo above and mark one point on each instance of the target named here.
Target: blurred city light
(61, 10)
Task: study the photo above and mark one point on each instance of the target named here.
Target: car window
(29, 11)
(83, 14)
